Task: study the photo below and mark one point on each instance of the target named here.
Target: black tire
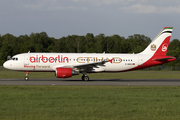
(86, 78)
(82, 77)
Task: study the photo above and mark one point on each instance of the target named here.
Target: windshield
(14, 58)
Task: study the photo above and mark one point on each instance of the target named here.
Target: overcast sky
(60, 18)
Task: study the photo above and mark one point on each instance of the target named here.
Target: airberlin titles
(62, 59)
(44, 59)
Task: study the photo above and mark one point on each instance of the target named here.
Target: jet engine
(65, 72)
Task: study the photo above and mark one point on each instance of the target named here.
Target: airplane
(66, 65)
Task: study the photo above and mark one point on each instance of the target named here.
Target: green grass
(89, 103)
(139, 74)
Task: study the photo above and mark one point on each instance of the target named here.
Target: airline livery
(68, 64)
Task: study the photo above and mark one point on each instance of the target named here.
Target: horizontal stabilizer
(163, 59)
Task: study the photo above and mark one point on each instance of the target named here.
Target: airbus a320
(68, 64)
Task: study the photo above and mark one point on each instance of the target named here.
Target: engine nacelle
(65, 72)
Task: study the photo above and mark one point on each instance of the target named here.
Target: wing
(85, 66)
(91, 65)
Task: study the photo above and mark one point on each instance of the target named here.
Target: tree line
(40, 42)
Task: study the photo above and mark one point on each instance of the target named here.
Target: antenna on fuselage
(104, 52)
(29, 51)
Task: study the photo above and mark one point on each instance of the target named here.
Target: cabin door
(140, 60)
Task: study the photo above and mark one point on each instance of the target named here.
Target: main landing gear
(85, 77)
(27, 74)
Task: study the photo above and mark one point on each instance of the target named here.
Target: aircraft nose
(6, 65)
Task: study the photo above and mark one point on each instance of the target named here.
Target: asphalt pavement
(93, 82)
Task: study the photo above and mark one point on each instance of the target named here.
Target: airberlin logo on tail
(44, 59)
(165, 47)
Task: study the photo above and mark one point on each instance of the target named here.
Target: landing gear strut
(27, 78)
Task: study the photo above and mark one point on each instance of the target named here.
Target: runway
(93, 82)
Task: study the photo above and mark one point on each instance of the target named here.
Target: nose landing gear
(27, 74)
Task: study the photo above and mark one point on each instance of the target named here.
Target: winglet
(111, 60)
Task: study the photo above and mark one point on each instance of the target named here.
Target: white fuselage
(50, 61)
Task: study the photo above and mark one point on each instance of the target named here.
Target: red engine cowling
(65, 72)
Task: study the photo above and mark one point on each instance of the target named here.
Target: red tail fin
(162, 50)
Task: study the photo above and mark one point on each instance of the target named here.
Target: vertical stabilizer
(159, 45)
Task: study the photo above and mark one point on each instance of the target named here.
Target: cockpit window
(16, 59)
(12, 58)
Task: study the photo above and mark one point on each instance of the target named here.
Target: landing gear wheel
(26, 78)
(85, 78)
